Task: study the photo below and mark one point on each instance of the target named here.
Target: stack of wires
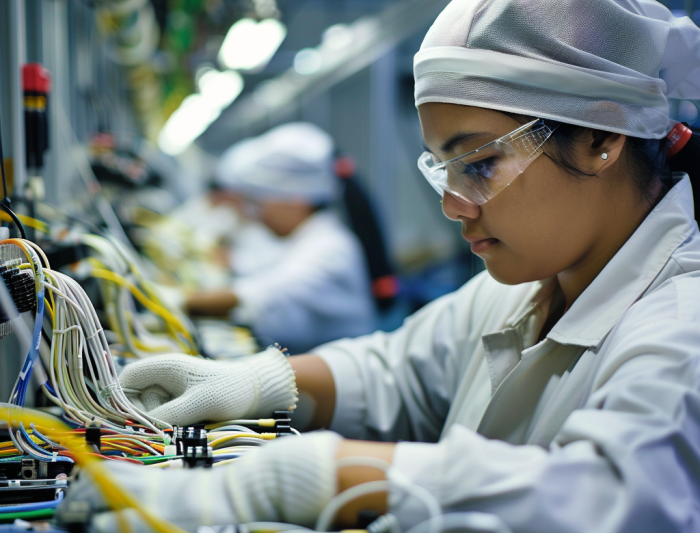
(77, 372)
(31, 252)
(77, 339)
(72, 444)
(228, 440)
(123, 284)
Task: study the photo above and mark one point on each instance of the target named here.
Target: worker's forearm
(350, 476)
(211, 303)
(315, 379)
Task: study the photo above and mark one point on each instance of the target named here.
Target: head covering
(293, 161)
(605, 64)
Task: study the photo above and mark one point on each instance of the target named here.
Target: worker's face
(230, 199)
(543, 223)
(283, 216)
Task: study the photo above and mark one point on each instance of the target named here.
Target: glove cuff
(290, 480)
(277, 383)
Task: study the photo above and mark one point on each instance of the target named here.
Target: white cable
(469, 521)
(329, 511)
(252, 527)
(424, 495)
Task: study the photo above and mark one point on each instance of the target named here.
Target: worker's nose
(457, 209)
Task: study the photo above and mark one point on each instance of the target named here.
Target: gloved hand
(289, 480)
(181, 389)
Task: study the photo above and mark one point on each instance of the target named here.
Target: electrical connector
(283, 422)
(192, 444)
(93, 435)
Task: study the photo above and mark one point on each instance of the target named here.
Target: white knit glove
(289, 480)
(181, 389)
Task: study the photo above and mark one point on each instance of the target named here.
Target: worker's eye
(478, 170)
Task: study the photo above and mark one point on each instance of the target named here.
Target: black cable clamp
(195, 448)
(283, 422)
(93, 435)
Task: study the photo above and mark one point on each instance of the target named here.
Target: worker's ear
(610, 150)
(600, 150)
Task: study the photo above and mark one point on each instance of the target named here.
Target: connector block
(191, 442)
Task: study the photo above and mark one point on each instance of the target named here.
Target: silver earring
(604, 156)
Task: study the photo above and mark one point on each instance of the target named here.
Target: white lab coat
(594, 429)
(316, 288)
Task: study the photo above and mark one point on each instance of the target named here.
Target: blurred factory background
(149, 93)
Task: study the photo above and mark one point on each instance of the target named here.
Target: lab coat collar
(631, 271)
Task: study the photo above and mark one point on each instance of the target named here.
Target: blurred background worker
(300, 275)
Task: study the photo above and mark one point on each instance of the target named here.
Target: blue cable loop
(38, 506)
(42, 455)
(42, 437)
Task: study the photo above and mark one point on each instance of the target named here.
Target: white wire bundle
(79, 340)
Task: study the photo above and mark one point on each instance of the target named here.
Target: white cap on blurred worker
(293, 161)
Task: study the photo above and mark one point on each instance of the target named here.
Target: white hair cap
(605, 64)
(293, 161)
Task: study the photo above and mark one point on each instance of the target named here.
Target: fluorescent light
(220, 88)
(196, 112)
(250, 45)
(336, 37)
(201, 71)
(269, 92)
(186, 124)
(308, 61)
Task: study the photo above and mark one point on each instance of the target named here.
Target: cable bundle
(79, 341)
(122, 284)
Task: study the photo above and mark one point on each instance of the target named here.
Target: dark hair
(646, 157)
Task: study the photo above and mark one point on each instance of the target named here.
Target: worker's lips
(480, 245)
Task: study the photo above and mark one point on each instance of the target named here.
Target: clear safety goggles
(481, 174)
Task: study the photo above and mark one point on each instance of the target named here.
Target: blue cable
(225, 456)
(72, 423)
(45, 439)
(18, 394)
(50, 388)
(38, 506)
(42, 454)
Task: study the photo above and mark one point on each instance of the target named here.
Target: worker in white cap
(559, 391)
(303, 279)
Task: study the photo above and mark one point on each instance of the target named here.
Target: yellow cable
(263, 422)
(28, 221)
(121, 448)
(115, 495)
(227, 438)
(144, 300)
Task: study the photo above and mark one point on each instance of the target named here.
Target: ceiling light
(308, 61)
(336, 37)
(250, 45)
(187, 123)
(220, 89)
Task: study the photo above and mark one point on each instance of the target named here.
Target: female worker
(559, 391)
(304, 281)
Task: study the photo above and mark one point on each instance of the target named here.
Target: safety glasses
(481, 174)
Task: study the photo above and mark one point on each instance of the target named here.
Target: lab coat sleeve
(400, 385)
(628, 461)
